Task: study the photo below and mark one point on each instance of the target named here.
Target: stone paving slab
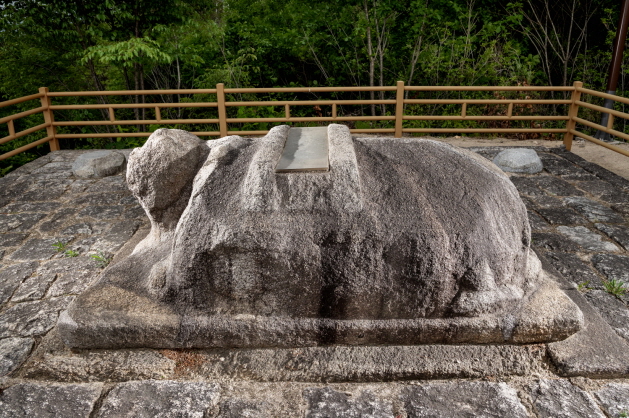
(42, 203)
(49, 400)
(561, 399)
(465, 399)
(163, 398)
(614, 399)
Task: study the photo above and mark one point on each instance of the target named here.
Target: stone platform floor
(57, 232)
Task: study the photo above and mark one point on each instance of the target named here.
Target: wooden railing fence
(47, 108)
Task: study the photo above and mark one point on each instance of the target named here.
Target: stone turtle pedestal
(402, 241)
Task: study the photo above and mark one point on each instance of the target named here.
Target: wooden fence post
(222, 113)
(49, 118)
(572, 113)
(399, 109)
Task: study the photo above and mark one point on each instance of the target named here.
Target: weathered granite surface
(560, 399)
(160, 398)
(465, 399)
(279, 383)
(49, 400)
(380, 249)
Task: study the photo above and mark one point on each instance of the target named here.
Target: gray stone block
(58, 219)
(526, 186)
(328, 403)
(560, 399)
(597, 187)
(612, 310)
(562, 216)
(519, 160)
(309, 364)
(102, 212)
(36, 249)
(19, 222)
(612, 266)
(11, 240)
(547, 202)
(30, 400)
(587, 239)
(594, 211)
(12, 276)
(98, 164)
(574, 269)
(97, 199)
(33, 288)
(556, 186)
(165, 398)
(111, 184)
(29, 319)
(117, 236)
(31, 207)
(463, 399)
(74, 274)
(553, 242)
(614, 399)
(239, 408)
(618, 233)
(82, 229)
(619, 196)
(43, 194)
(13, 352)
(537, 223)
(57, 364)
(596, 351)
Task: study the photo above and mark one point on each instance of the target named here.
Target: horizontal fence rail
(400, 102)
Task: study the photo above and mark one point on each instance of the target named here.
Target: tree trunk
(372, 58)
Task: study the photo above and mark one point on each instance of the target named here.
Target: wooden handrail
(485, 101)
(22, 114)
(129, 92)
(222, 102)
(13, 135)
(307, 89)
(604, 95)
(310, 103)
(20, 100)
(131, 106)
(599, 142)
(488, 88)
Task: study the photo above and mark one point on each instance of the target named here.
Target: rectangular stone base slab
(107, 316)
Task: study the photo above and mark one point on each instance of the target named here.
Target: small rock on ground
(519, 160)
(98, 164)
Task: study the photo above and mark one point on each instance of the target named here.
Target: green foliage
(180, 44)
(5, 170)
(127, 53)
(615, 287)
(101, 259)
(60, 246)
(584, 286)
